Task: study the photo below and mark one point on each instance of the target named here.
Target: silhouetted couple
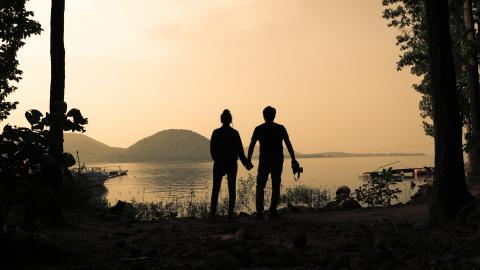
(226, 148)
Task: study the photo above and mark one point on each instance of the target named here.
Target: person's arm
(240, 150)
(251, 147)
(286, 138)
(213, 145)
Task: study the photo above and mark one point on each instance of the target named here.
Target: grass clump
(194, 206)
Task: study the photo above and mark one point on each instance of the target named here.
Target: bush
(378, 191)
(305, 195)
(25, 163)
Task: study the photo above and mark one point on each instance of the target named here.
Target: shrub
(305, 195)
(378, 191)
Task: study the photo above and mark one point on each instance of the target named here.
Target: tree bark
(57, 89)
(471, 66)
(450, 191)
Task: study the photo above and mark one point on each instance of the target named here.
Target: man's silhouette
(271, 136)
(226, 147)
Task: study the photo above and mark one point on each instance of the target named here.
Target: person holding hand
(271, 137)
(226, 148)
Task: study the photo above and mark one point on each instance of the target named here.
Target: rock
(333, 205)
(299, 241)
(342, 193)
(424, 194)
(118, 208)
(292, 208)
(237, 236)
(350, 204)
(243, 214)
(129, 212)
(124, 210)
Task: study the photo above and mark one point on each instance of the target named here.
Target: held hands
(248, 165)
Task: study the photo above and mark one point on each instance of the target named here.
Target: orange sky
(327, 66)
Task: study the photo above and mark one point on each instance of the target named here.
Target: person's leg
(232, 188)
(277, 167)
(262, 177)
(217, 182)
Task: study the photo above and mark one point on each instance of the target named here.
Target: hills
(91, 150)
(168, 145)
(171, 145)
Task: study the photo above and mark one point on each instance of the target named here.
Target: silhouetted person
(226, 147)
(271, 137)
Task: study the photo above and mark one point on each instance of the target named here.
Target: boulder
(292, 208)
(342, 193)
(333, 205)
(124, 210)
(349, 204)
(343, 200)
(424, 194)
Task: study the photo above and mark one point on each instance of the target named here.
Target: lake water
(154, 182)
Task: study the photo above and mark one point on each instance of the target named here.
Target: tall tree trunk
(474, 89)
(450, 190)
(57, 88)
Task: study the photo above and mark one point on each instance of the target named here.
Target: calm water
(152, 182)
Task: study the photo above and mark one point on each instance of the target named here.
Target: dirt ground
(386, 238)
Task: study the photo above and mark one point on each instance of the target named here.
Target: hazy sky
(134, 69)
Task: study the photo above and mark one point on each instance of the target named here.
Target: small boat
(116, 173)
(97, 176)
(92, 176)
(405, 173)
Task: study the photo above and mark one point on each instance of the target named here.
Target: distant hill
(90, 150)
(170, 145)
(167, 145)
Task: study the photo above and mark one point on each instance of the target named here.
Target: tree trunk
(450, 190)
(471, 66)
(57, 89)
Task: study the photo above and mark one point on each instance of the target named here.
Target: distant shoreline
(353, 155)
(175, 145)
(256, 158)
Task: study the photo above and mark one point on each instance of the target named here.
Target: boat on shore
(404, 173)
(96, 176)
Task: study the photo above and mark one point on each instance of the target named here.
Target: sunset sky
(134, 69)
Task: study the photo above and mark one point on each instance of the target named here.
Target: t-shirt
(226, 144)
(270, 136)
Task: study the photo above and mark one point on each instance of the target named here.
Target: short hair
(226, 117)
(269, 113)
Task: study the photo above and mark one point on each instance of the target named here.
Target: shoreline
(255, 158)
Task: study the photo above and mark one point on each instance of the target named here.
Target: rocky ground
(385, 238)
